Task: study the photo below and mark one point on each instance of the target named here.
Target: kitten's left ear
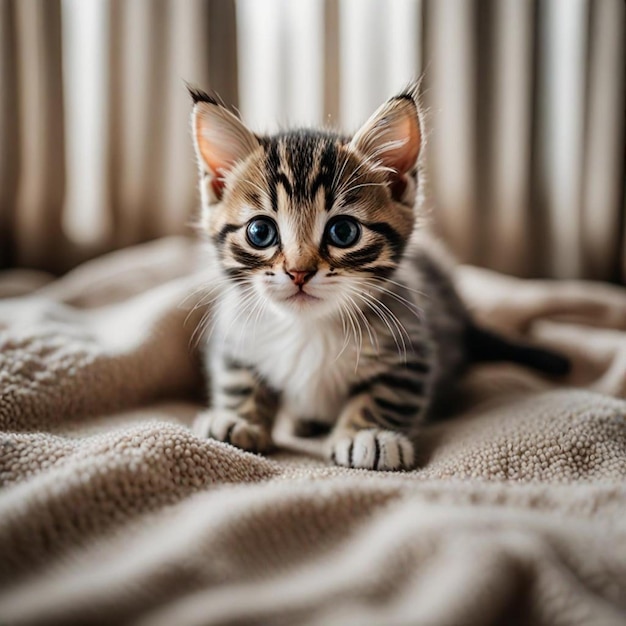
(393, 138)
(221, 139)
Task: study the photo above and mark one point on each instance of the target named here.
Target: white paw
(227, 426)
(373, 449)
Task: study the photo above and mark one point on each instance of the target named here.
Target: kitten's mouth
(301, 296)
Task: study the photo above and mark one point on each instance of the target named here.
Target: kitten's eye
(344, 232)
(262, 232)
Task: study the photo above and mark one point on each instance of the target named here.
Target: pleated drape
(525, 105)
(9, 138)
(155, 46)
(527, 143)
(32, 169)
(94, 121)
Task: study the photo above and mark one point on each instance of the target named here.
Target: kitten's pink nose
(300, 277)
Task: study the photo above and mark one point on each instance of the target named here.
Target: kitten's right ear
(220, 138)
(393, 138)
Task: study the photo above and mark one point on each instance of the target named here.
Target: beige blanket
(112, 511)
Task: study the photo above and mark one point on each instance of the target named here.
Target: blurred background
(525, 101)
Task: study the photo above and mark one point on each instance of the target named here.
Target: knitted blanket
(113, 511)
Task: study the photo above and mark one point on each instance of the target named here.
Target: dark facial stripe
(276, 175)
(328, 165)
(251, 261)
(310, 161)
(225, 231)
(236, 274)
(351, 196)
(272, 166)
(391, 235)
(382, 271)
(364, 256)
(281, 179)
(254, 199)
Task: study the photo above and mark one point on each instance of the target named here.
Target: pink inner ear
(217, 184)
(216, 140)
(403, 158)
(216, 159)
(222, 141)
(212, 154)
(217, 170)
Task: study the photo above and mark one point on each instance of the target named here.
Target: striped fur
(351, 348)
(360, 338)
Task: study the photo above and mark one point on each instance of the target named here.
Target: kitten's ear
(392, 137)
(220, 137)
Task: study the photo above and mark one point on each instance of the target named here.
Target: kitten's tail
(486, 345)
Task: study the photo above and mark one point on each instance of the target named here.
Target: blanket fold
(113, 511)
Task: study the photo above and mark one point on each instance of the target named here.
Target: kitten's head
(309, 220)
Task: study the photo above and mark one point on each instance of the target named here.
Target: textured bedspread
(112, 511)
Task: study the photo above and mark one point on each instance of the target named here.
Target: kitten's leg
(243, 409)
(372, 429)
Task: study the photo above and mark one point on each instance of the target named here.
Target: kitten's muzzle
(301, 277)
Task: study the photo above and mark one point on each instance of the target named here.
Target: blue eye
(262, 232)
(344, 232)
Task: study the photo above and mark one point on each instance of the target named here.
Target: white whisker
(388, 317)
(382, 316)
(344, 328)
(412, 307)
(395, 282)
(357, 338)
(373, 338)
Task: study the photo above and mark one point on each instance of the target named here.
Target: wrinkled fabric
(113, 511)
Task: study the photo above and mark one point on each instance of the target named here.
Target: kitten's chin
(304, 305)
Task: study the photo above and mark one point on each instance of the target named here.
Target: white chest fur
(309, 361)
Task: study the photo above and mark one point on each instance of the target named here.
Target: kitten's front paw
(373, 449)
(227, 426)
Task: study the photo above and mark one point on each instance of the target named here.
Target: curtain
(527, 158)
(32, 168)
(94, 121)
(524, 101)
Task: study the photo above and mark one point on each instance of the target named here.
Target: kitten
(332, 305)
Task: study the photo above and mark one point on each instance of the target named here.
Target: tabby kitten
(332, 306)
